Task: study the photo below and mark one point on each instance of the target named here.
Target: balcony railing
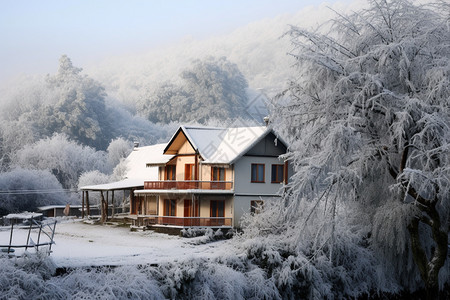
(189, 221)
(188, 185)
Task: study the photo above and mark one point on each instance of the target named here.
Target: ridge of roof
(203, 127)
(222, 145)
(225, 144)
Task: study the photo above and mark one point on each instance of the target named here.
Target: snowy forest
(60, 128)
(363, 100)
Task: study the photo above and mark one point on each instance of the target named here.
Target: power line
(35, 192)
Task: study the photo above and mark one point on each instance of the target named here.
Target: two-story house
(211, 176)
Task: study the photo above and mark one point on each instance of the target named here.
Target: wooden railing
(188, 185)
(190, 221)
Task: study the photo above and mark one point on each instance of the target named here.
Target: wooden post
(102, 206)
(113, 205)
(123, 201)
(132, 204)
(88, 208)
(286, 172)
(107, 205)
(82, 204)
(144, 206)
(196, 168)
(157, 205)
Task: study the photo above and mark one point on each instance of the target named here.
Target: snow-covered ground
(78, 244)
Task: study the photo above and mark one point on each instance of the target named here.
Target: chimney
(136, 144)
(266, 120)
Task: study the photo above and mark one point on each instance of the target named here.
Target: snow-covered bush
(208, 233)
(34, 277)
(312, 254)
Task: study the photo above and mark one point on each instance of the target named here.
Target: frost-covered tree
(66, 159)
(218, 88)
(25, 190)
(165, 103)
(79, 109)
(210, 88)
(117, 150)
(368, 118)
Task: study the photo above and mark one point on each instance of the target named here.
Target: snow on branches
(368, 122)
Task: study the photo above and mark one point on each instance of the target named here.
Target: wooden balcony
(188, 185)
(186, 221)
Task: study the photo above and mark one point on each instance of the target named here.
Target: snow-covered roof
(141, 156)
(23, 215)
(47, 207)
(137, 170)
(222, 145)
(118, 185)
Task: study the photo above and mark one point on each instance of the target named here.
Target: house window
(170, 207)
(189, 172)
(170, 172)
(218, 174)
(256, 206)
(277, 173)
(258, 172)
(217, 208)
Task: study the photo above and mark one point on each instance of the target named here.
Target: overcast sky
(34, 34)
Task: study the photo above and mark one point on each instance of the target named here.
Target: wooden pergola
(105, 190)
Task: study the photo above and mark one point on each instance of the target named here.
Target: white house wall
(242, 180)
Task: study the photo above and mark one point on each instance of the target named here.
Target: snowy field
(148, 266)
(78, 244)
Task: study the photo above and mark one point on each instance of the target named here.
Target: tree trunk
(429, 268)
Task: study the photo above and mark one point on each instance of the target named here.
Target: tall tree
(218, 86)
(79, 109)
(369, 124)
(212, 88)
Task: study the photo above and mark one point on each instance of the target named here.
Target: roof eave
(182, 129)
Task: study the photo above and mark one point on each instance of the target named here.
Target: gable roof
(220, 145)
